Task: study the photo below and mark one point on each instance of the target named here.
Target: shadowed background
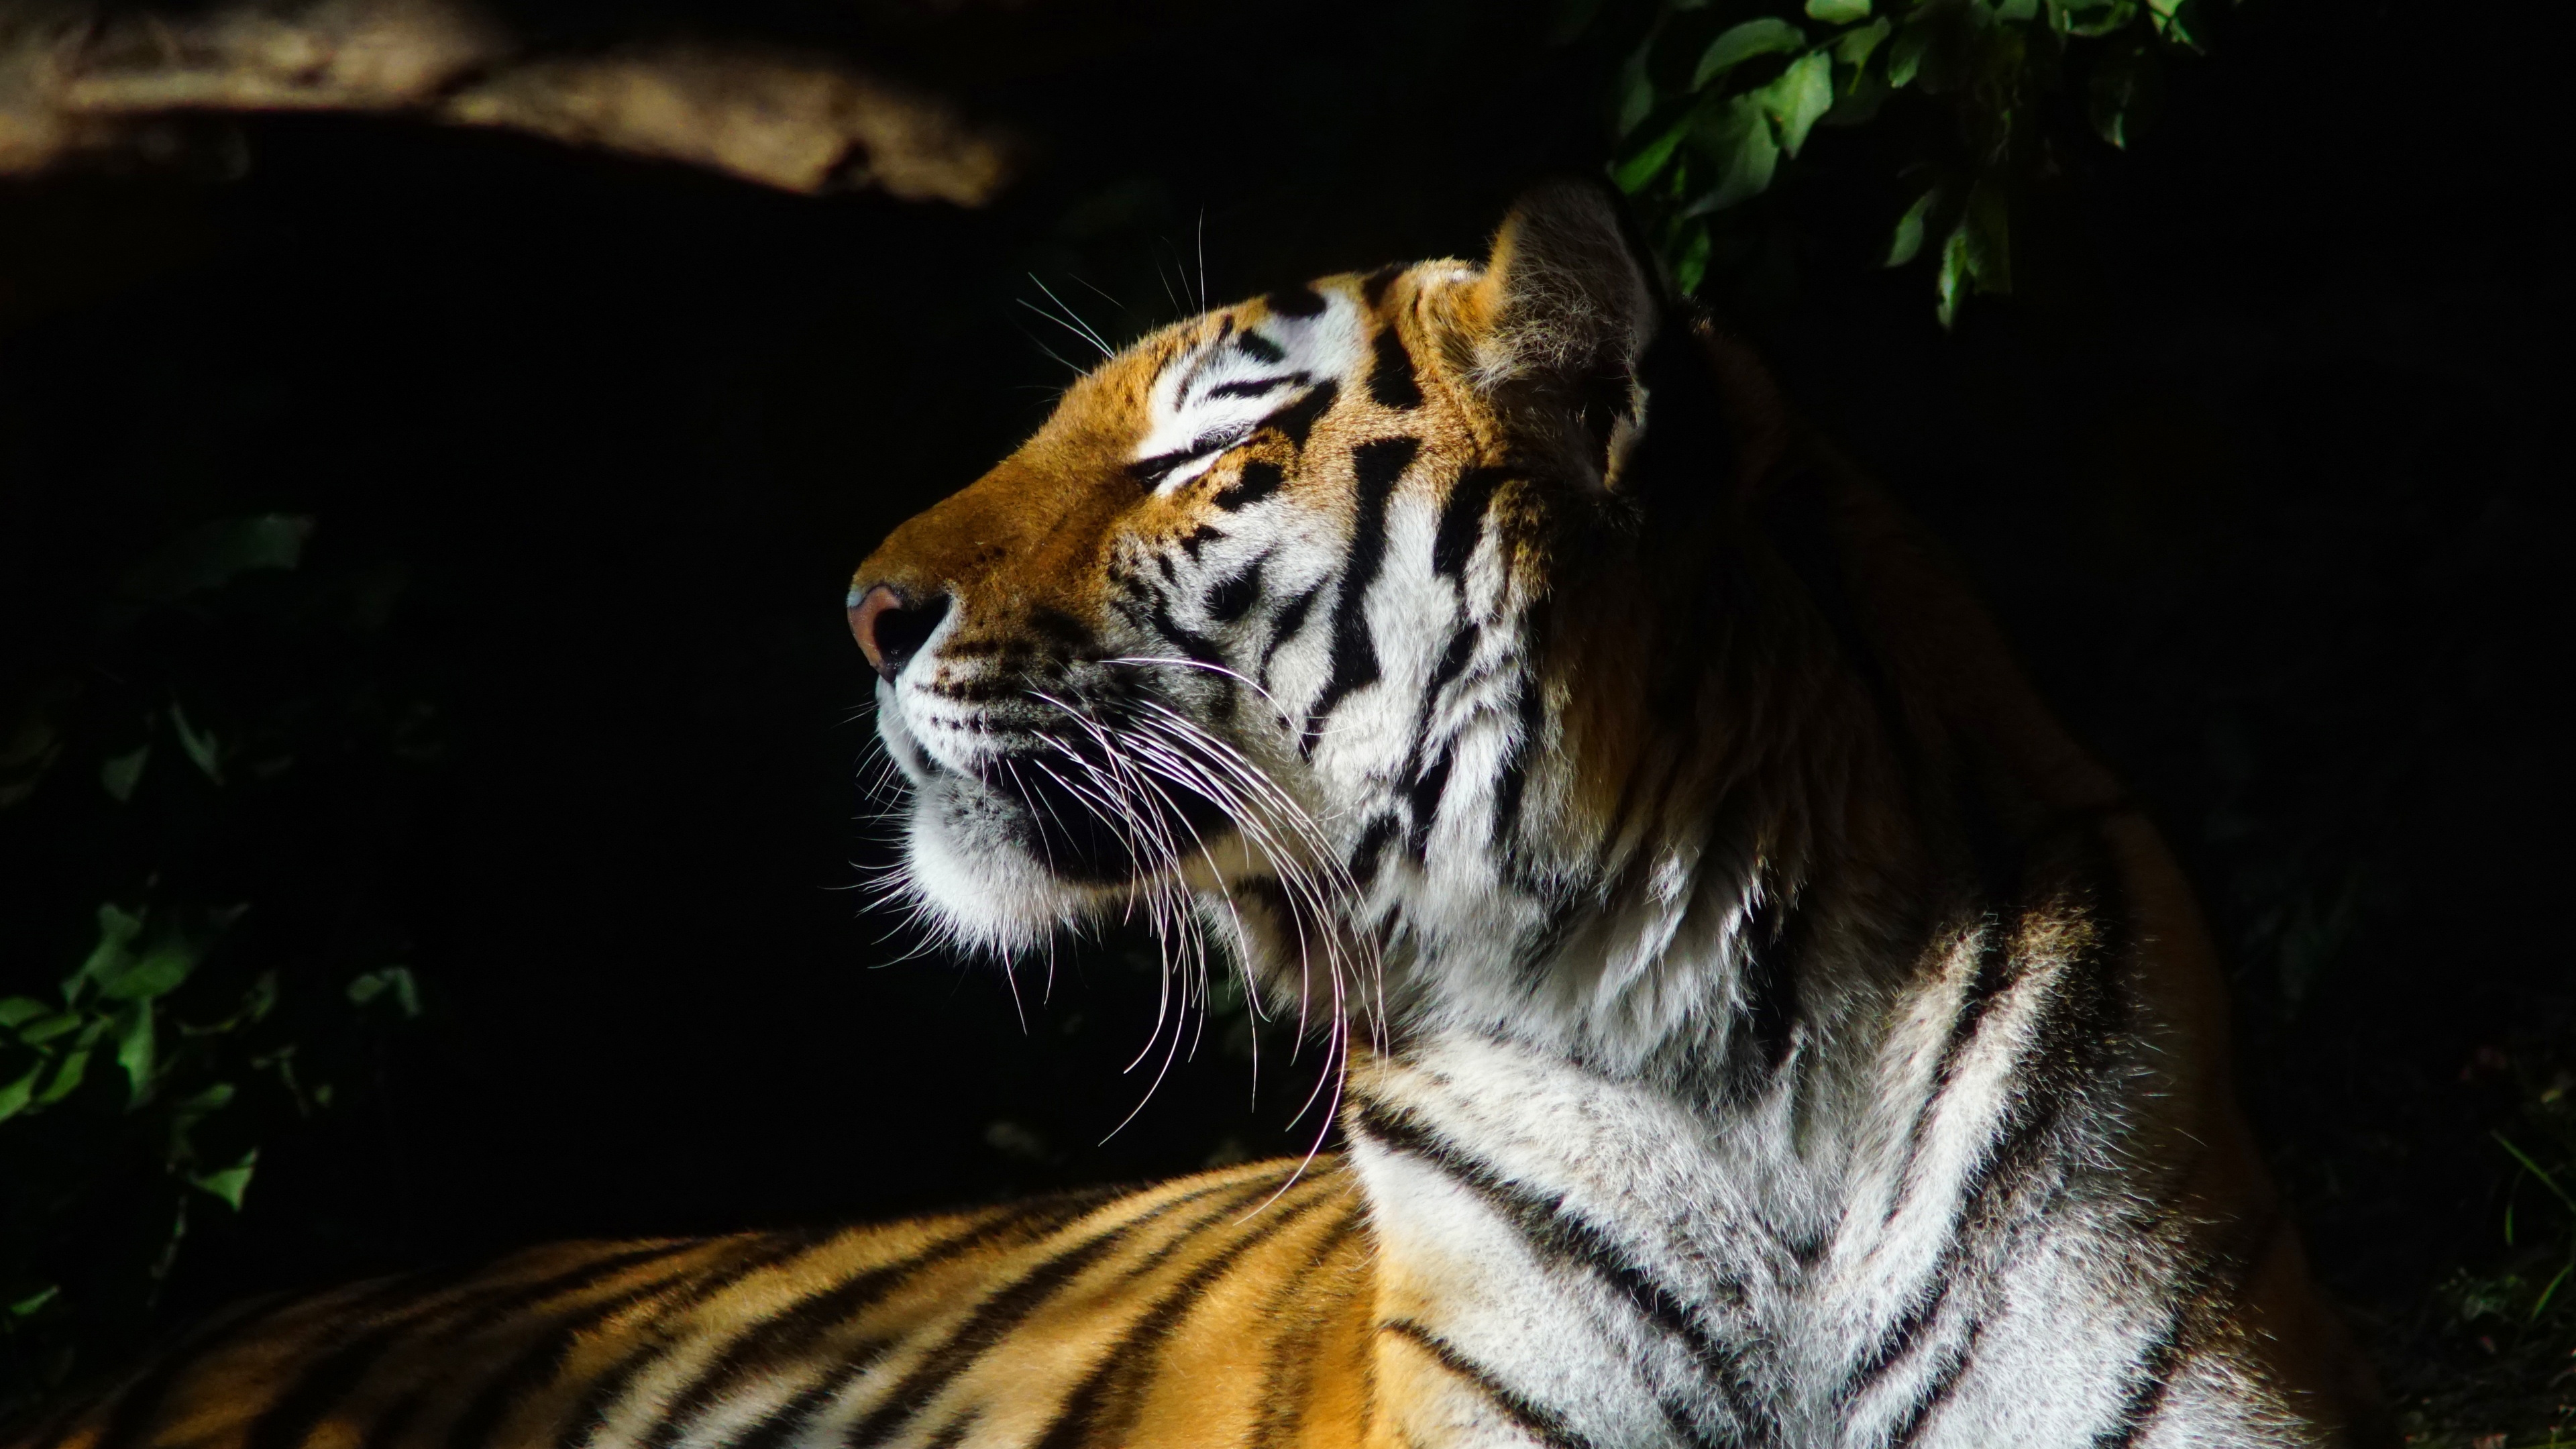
(2264, 465)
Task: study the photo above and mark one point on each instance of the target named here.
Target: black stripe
(1529, 706)
(1296, 302)
(392, 1424)
(1288, 1372)
(1945, 1382)
(1993, 974)
(1904, 1336)
(1297, 419)
(1376, 465)
(1391, 381)
(1462, 519)
(2154, 1376)
(1000, 1312)
(2147, 1387)
(786, 1423)
(328, 1380)
(1424, 798)
(1161, 1253)
(137, 1402)
(1234, 597)
(1453, 662)
(1371, 850)
(540, 1361)
(797, 1328)
(1765, 1030)
(1257, 480)
(1189, 641)
(1291, 618)
(1059, 627)
(1536, 1420)
(2071, 1047)
(1103, 1407)
(1152, 471)
(1260, 347)
(1561, 1236)
(1373, 286)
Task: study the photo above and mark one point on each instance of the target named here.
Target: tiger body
(1761, 1024)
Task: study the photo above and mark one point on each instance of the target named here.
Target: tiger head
(1370, 621)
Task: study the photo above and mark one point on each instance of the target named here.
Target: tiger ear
(1565, 312)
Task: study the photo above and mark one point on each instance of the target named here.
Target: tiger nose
(891, 628)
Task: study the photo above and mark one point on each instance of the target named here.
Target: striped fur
(1172, 1315)
(1759, 1024)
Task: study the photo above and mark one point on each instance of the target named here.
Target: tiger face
(1290, 617)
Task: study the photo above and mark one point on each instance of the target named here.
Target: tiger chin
(1773, 1030)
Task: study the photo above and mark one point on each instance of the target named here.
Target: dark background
(2265, 465)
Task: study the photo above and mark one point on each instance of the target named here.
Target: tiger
(1752, 1020)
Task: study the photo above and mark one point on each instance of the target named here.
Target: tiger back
(1754, 1021)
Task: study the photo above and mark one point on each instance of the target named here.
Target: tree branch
(76, 84)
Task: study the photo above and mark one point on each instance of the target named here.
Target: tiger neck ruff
(1759, 1025)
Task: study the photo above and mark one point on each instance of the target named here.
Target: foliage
(138, 1087)
(1714, 104)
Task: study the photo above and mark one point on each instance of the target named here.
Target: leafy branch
(141, 1078)
(1710, 114)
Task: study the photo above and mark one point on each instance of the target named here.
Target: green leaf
(1905, 57)
(1953, 275)
(214, 553)
(45, 1029)
(1691, 267)
(117, 929)
(2108, 16)
(15, 1096)
(201, 747)
(1738, 44)
(2019, 11)
(1837, 12)
(2536, 1170)
(1854, 48)
(1799, 98)
(2170, 18)
(1988, 227)
(67, 1078)
(2125, 90)
(1908, 240)
(133, 1031)
(156, 972)
(119, 775)
(1637, 172)
(1737, 139)
(2542, 1301)
(1636, 101)
(16, 1009)
(231, 1182)
(211, 1099)
(397, 980)
(34, 1302)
